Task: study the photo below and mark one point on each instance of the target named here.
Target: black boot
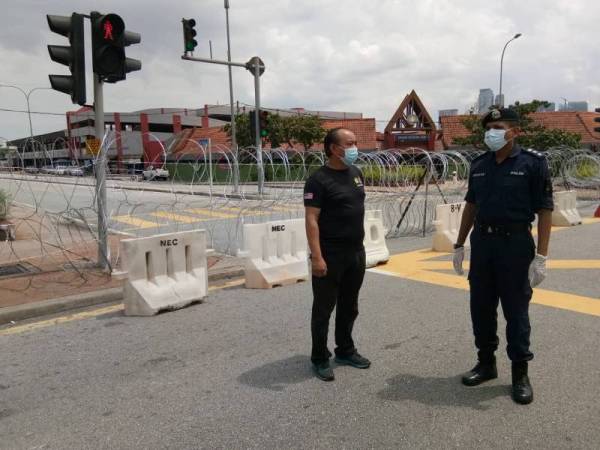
(521, 388)
(483, 371)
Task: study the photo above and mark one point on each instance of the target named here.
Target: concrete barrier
(164, 272)
(276, 253)
(376, 250)
(565, 212)
(447, 224)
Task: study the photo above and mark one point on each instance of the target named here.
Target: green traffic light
(263, 133)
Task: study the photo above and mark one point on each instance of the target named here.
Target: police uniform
(506, 197)
(340, 195)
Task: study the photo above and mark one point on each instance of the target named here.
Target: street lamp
(27, 94)
(500, 99)
(565, 104)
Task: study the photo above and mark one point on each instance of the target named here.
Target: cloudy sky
(352, 55)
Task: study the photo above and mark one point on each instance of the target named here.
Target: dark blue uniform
(506, 197)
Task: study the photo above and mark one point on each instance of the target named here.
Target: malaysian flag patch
(308, 196)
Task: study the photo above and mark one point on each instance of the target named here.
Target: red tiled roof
(185, 142)
(574, 122)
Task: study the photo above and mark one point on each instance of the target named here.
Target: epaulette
(483, 155)
(534, 152)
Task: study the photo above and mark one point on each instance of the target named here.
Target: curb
(92, 298)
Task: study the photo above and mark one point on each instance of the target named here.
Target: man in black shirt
(334, 197)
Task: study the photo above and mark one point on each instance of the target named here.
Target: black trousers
(499, 273)
(345, 274)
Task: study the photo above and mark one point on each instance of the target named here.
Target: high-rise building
(447, 112)
(550, 108)
(574, 106)
(499, 100)
(485, 100)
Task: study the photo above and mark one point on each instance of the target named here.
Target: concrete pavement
(234, 373)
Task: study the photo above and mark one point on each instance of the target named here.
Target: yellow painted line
(136, 222)
(414, 266)
(210, 213)
(551, 264)
(62, 319)
(93, 313)
(176, 217)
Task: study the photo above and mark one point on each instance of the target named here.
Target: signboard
(93, 146)
(411, 138)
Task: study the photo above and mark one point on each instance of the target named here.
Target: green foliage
(4, 203)
(533, 136)
(378, 175)
(305, 129)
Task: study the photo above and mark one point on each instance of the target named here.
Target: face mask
(495, 139)
(350, 155)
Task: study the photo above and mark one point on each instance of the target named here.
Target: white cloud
(356, 55)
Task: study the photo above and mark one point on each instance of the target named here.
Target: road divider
(447, 224)
(376, 250)
(275, 253)
(164, 272)
(565, 212)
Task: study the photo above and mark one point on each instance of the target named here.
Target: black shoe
(323, 371)
(354, 360)
(480, 373)
(522, 392)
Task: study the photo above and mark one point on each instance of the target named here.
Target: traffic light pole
(236, 166)
(261, 171)
(255, 67)
(103, 251)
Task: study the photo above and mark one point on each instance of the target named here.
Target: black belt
(507, 228)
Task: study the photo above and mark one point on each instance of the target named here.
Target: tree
(305, 129)
(533, 135)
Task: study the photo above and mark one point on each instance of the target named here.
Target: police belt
(503, 229)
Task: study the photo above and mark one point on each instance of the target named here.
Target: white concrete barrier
(276, 253)
(447, 224)
(164, 272)
(376, 250)
(565, 212)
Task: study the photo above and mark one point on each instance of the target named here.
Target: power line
(47, 113)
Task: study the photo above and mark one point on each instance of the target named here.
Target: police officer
(334, 197)
(507, 186)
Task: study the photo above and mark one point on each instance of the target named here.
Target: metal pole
(427, 179)
(236, 167)
(261, 173)
(500, 100)
(103, 251)
(210, 48)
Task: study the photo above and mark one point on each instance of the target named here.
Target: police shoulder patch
(534, 152)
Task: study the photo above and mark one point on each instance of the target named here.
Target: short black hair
(332, 137)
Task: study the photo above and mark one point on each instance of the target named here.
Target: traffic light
(264, 124)
(73, 56)
(597, 119)
(109, 39)
(189, 33)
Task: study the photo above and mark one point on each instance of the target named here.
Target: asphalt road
(233, 373)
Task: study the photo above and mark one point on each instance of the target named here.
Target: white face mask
(495, 139)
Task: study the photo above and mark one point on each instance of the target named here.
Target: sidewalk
(50, 267)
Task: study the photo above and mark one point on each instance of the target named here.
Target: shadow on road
(277, 374)
(440, 391)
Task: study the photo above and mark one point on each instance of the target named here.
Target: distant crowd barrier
(376, 250)
(164, 272)
(565, 212)
(447, 225)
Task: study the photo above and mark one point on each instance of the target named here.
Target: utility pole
(236, 167)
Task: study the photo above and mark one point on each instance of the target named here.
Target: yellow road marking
(93, 313)
(210, 213)
(176, 217)
(551, 264)
(415, 266)
(136, 222)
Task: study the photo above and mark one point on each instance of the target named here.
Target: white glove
(537, 270)
(457, 260)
